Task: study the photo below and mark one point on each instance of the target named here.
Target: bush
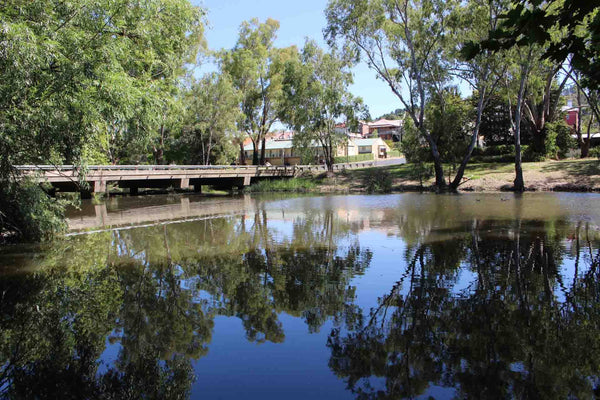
(356, 158)
(282, 185)
(564, 142)
(377, 181)
(28, 213)
(595, 152)
(412, 147)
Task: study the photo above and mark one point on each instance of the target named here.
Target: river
(337, 297)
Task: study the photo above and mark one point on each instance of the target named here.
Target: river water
(392, 296)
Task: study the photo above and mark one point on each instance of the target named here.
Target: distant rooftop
(366, 142)
(386, 123)
(272, 145)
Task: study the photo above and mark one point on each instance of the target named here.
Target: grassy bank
(565, 175)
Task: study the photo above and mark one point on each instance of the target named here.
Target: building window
(364, 149)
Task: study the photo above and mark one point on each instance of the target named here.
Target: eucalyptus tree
(255, 66)
(414, 46)
(316, 97)
(210, 120)
(401, 41)
(76, 74)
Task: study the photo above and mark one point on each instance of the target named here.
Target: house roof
(386, 122)
(366, 142)
(272, 145)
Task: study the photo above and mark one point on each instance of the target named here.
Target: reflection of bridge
(122, 212)
(133, 177)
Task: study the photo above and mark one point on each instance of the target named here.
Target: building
(282, 152)
(386, 129)
(571, 116)
(375, 146)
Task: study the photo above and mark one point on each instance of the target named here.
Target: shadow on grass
(583, 168)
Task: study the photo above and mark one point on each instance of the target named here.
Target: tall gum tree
(212, 105)
(255, 66)
(414, 46)
(316, 97)
(400, 40)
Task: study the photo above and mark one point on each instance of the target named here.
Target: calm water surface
(396, 296)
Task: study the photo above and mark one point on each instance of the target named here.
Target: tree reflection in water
(507, 335)
(154, 293)
(485, 307)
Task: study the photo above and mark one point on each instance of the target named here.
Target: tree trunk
(161, 146)
(585, 147)
(255, 154)
(440, 181)
(519, 183)
(242, 153)
(263, 151)
(474, 141)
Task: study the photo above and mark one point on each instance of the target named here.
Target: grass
(548, 175)
(283, 185)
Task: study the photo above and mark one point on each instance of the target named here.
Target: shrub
(412, 147)
(595, 152)
(377, 181)
(282, 185)
(28, 213)
(564, 142)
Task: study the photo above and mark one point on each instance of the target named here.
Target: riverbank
(565, 176)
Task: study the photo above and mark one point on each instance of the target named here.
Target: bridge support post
(100, 187)
(185, 183)
(245, 181)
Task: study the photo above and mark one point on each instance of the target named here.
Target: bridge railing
(285, 168)
(147, 167)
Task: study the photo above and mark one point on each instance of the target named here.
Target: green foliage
(398, 113)
(412, 145)
(356, 158)
(595, 152)
(562, 136)
(282, 185)
(556, 143)
(212, 109)
(448, 118)
(377, 181)
(255, 67)
(569, 28)
(85, 75)
(316, 96)
(28, 213)
(496, 125)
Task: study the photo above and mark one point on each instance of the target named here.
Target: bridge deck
(67, 177)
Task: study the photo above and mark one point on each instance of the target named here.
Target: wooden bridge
(69, 178)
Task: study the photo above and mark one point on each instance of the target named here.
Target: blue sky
(298, 20)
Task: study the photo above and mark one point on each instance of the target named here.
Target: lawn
(576, 175)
